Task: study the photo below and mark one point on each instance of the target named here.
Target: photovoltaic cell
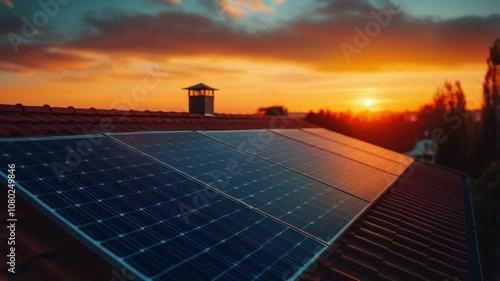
(141, 215)
(316, 208)
(348, 175)
(377, 150)
(364, 157)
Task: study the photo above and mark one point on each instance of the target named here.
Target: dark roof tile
(106, 112)
(89, 111)
(63, 110)
(416, 231)
(141, 121)
(11, 108)
(124, 113)
(9, 130)
(141, 113)
(37, 109)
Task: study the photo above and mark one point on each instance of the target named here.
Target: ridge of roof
(21, 120)
(71, 110)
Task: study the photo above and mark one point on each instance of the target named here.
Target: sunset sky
(258, 52)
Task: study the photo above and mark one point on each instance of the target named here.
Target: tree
(446, 120)
(488, 118)
(275, 110)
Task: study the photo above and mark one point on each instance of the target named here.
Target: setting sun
(368, 103)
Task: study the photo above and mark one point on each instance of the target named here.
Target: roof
(420, 229)
(19, 120)
(417, 231)
(200, 86)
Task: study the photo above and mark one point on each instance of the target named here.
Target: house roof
(422, 228)
(19, 120)
(200, 86)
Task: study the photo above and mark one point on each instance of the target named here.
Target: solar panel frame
(326, 242)
(84, 238)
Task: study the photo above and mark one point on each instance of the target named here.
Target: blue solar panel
(139, 214)
(348, 175)
(361, 145)
(316, 208)
(350, 152)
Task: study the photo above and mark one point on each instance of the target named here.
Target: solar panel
(353, 177)
(141, 215)
(364, 157)
(376, 150)
(309, 205)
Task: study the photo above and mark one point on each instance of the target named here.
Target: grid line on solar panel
(129, 229)
(352, 153)
(361, 145)
(287, 196)
(339, 172)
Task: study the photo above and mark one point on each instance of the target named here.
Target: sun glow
(368, 103)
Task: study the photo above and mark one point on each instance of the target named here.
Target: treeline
(461, 143)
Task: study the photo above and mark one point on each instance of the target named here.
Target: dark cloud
(10, 23)
(36, 57)
(307, 41)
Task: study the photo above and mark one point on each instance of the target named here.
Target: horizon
(309, 56)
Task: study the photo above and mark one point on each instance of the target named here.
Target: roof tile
(413, 242)
(37, 109)
(106, 112)
(89, 111)
(141, 113)
(11, 108)
(63, 110)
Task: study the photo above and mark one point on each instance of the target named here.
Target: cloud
(8, 67)
(173, 2)
(306, 41)
(406, 42)
(43, 58)
(239, 8)
(10, 23)
(7, 3)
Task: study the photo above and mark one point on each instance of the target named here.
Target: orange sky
(243, 93)
(296, 61)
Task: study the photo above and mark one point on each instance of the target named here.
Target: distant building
(201, 99)
(425, 149)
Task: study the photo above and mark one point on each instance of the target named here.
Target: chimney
(201, 99)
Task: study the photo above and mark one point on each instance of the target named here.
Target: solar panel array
(300, 201)
(130, 208)
(233, 205)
